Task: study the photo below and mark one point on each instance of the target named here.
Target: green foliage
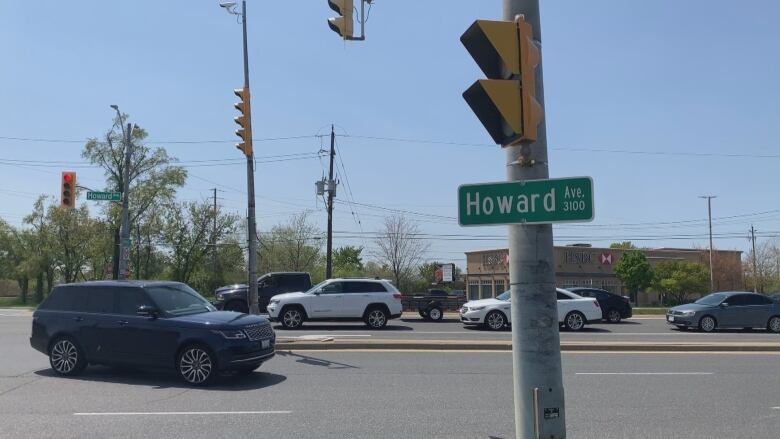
(348, 261)
(634, 271)
(294, 246)
(679, 279)
(625, 245)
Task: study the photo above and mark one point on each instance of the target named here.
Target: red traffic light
(68, 178)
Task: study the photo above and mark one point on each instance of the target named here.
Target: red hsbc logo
(606, 258)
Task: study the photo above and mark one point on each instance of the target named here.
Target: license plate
(670, 318)
(265, 344)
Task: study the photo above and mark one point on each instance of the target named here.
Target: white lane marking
(643, 373)
(775, 408)
(332, 335)
(267, 412)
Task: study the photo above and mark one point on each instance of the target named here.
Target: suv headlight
(230, 334)
(273, 301)
(687, 313)
(476, 308)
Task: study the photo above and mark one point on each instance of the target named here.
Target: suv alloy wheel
(376, 318)
(65, 357)
(196, 365)
(291, 318)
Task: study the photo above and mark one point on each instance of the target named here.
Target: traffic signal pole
(250, 184)
(536, 352)
(331, 193)
(124, 241)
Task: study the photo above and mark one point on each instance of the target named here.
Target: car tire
(435, 314)
(376, 318)
(708, 324)
(574, 321)
(66, 357)
(292, 317)
(196, 365)
(613, 316)
(237, 306)
(773, 325)
(495, 320)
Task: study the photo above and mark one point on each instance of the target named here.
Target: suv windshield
(505, 296)
(178, 300)
(712, 299)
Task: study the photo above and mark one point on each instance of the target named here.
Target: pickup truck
(234, 297)
(433, 303)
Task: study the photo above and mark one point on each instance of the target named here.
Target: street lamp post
(124, 241)
(250, 173)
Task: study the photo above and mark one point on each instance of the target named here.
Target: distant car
(374, 301)
(614, 307)
(234, 297)
(573, 311)
(727, 310)
(147, 324)
(775, 297)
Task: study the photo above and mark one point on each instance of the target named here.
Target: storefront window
(473, 289)
(500, 286)
(486, 289)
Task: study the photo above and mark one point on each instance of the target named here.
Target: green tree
(292, 246)
(679, 279)
(634, 271)
(347, 261)
(154, 178)
(625, 245)
(187, 234)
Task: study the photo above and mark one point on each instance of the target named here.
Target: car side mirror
(147, 311)
(317, 293)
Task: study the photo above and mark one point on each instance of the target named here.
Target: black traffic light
(68, 190)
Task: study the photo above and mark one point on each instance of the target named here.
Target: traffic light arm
(362, 36)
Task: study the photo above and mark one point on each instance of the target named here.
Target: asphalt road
(391, 395)
(650, 328)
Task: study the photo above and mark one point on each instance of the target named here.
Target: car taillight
(397, 296)
(597, 303)
(626, 299)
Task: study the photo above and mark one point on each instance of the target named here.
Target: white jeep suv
(373, 301)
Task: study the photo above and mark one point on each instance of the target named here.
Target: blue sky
(626, 83)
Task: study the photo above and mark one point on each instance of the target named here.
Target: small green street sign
(104, 196)
(560, 200)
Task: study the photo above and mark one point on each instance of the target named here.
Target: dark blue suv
(147, 324)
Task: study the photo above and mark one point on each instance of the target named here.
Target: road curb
(497, 345)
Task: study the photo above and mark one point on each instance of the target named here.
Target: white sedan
(573, 311)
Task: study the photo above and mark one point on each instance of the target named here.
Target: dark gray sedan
(727, 310)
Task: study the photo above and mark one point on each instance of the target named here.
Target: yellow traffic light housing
(244, 121)
(342, 25)
(506, 102)
(68, 190)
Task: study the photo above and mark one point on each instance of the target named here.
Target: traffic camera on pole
(506, 102)
(68, 190)
(244, 121)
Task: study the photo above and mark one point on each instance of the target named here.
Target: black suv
(234, 298)
(613, 307)
(147, 324)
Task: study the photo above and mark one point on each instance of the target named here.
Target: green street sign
(104, 196)
(560, 200)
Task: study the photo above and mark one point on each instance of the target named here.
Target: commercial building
(487, 272)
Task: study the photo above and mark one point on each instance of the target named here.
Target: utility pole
(709, 215)
(331, 195)
(214, 240)
(124, 240)
(536, 347)
(755, 264)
